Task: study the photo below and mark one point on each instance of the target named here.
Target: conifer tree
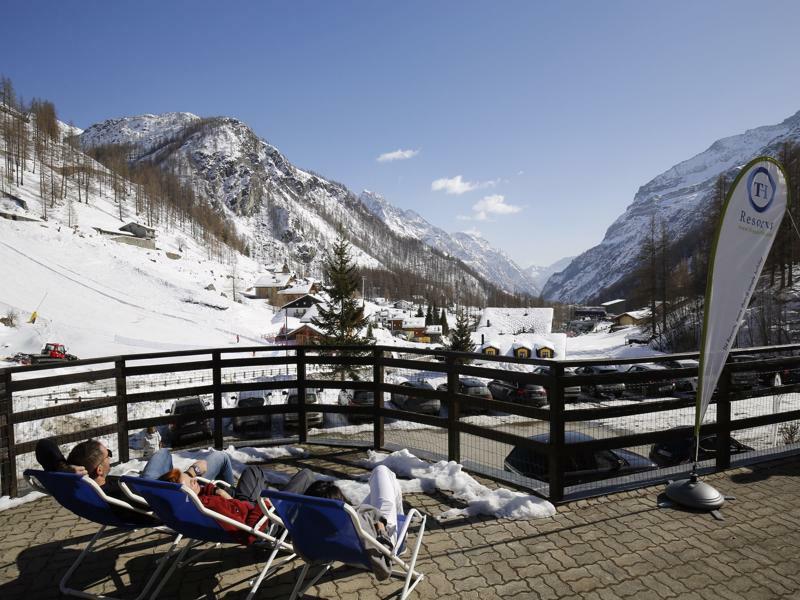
(343, 319)
(443, 323)
(461, 336)
(429, 317)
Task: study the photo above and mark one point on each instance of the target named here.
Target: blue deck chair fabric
(325, 531)
(85, 498)
(180, 508)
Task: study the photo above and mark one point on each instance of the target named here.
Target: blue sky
(531, 122)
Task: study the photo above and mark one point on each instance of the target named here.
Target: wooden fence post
(723, 421)
(377, 380)
(122, 410)
(302, 421)
(453, 409)
(8, 458)
(216, 377)
(555, 453)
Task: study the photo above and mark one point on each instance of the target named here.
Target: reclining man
(93, 458)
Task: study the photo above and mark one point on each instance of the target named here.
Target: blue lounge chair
(325, 532)
(84, 497)
(180, 508)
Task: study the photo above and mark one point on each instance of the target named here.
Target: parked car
(683, 384)
(471, 387)
(571, 393)
(680, 449)
(191, 419)
(650, 389)
(357, 398)
(743, 380)
(414, 403)
(522, 393)
(600, 390)
(579, 468)
(313, 418)
(258, 422)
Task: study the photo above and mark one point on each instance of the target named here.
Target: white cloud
(493, 205)
(454, 185)
(397, 155)
(457, 185)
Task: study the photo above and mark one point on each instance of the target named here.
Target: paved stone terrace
(620, 546)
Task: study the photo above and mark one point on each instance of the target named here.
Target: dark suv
(191, 419)
(680, 449)
(579, 468)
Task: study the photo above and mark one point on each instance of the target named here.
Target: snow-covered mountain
(292, 214)
(539, 275)
(492, 264)
(675, 198)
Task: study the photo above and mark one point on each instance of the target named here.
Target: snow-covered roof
(272, 280)
(610, 302)
(414, 323)
(516, 320)
(310, 326)
(637, 314)
(298, 288)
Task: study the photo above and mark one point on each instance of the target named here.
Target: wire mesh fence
(562, 429)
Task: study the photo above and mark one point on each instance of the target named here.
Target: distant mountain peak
(675, 197)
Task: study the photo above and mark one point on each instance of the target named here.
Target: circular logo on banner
(760, 189)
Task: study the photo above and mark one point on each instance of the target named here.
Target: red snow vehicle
(52, 352)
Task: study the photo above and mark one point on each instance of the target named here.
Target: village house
(300, 306)
(140, 231)
(268, 285)
(634, 317)
(519, 332)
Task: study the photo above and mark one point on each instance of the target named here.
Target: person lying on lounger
(93, 458)
(377, 513)
(240, 502)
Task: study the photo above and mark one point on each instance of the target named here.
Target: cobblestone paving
(620, 546)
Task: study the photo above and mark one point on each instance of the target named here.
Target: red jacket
(238, 510)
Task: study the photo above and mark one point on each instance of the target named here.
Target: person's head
(325, 489)
(151, 429)
(177, 476)
(94, 457)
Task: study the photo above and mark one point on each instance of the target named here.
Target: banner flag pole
(749, 221)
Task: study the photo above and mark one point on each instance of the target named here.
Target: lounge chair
(325, 532)
(84, 497)
(180, 508)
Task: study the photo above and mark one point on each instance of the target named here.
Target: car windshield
(605, 369)
(476, 390)
(188, 408)
(362, 395)
(311, 398)
(250, 402)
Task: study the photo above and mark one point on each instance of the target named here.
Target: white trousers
(385, 495)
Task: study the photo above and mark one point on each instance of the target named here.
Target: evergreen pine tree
(435, 313)
(461, 336)
(370, 335)
(343, 319)
(429, 317)
(443, 323)
(419, 311)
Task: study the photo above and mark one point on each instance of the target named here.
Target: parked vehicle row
(596, 465)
